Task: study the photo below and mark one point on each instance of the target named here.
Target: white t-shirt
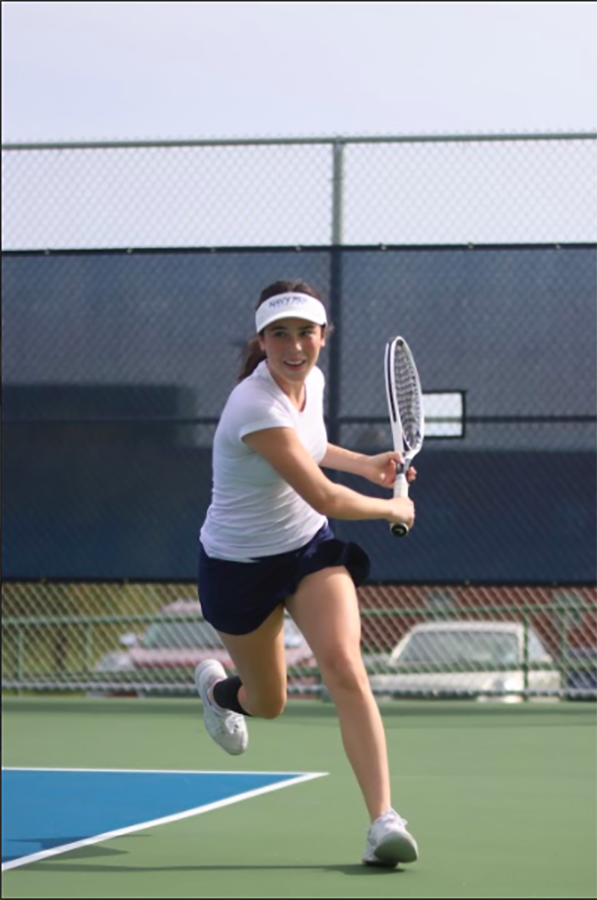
(253, 511)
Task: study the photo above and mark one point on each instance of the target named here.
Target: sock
(226, 695)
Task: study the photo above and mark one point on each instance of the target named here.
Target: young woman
(266, 546)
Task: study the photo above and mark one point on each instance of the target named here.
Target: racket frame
(398, 437)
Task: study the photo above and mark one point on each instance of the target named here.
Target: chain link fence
(130, 273)
(300, 192)
(464, 641)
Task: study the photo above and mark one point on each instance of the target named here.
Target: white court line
(162, 771)
(141, 826)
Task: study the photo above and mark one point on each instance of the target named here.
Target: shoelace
(232, 723)
(392, 816)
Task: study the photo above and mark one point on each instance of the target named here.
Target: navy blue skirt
(237, 598)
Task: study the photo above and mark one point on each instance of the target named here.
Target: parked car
(175, 643)
(581, 673)
(465, 658)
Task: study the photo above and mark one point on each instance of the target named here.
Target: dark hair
(253, 354)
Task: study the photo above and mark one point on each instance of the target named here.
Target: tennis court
(121, 336)
(500, 797)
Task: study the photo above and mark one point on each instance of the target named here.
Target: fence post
(336, 291)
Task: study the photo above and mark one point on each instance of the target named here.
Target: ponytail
(253, 356)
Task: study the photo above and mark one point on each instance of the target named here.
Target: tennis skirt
(237, 598)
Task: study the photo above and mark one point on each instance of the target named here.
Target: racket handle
(399, 529)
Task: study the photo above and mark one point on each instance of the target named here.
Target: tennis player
(266, 546)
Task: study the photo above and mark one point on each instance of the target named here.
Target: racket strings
(408, 398)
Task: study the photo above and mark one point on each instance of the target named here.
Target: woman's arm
(344, 460)
(284, 451)
(380, 468)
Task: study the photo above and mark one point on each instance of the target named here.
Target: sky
(101, 71)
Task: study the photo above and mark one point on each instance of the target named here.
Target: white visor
(290, 305)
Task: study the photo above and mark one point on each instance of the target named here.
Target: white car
(466, 658)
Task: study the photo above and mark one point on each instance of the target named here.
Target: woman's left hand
(381, 468)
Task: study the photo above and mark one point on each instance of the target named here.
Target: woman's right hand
(401, 511)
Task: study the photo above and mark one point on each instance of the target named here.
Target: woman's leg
(325, 608)
(260, 660)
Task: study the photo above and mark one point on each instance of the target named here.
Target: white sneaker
(228, 729)
(389, 843)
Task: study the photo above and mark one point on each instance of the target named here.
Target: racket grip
(399, 529)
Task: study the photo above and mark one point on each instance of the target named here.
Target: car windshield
(447, 647)
(162, 635)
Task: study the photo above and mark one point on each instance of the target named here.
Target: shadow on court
(354, 870)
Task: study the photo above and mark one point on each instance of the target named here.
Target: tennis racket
(405, 405)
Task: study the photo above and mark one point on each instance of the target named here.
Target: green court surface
(502, 799)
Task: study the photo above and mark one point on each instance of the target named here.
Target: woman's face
(292, 347)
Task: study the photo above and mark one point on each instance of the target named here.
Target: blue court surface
(49, 811)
